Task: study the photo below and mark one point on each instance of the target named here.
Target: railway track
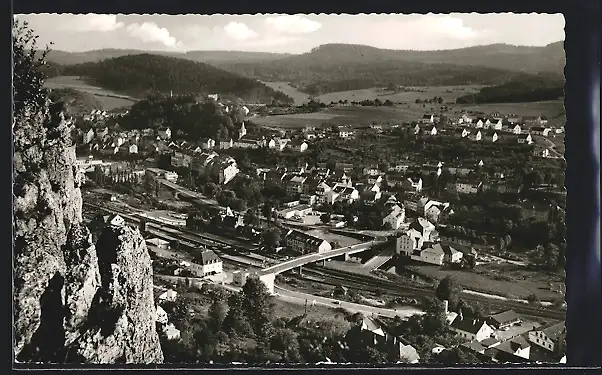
(335, 277)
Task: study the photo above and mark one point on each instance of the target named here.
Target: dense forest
(528, 89)
(316, 79)
(140, 74)
(184, 114)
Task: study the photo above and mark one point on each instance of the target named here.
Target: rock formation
(73, 301)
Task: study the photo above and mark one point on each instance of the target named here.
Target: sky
(291, 33)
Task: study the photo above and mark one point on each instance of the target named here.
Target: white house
(494, 137)
(133, 149)
(240, 277)
(433, 213)
(540, 130)
(542, 120)
(465, 133)
(526, 139)
(116, 221)
(433, 131)
(242, 131)
(471, 329)
(477, 137)
(164, 133)
(431, 255)
(208, 144)
(479, 124)
(404, 245)
(427, 119)
(161, 316)
(171, 332)
(517, 129)
(245, 110)
(465, 119)
(211, 264)
(417, 129)
(550, 338)
(395, 217)
(169, 295)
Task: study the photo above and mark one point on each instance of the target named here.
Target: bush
(532, 298)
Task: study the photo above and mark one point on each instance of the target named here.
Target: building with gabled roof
(304, 243)
(471, 328)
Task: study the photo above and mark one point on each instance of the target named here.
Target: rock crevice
(66, 288)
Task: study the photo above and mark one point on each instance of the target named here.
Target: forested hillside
(184, 114)
(528, 89)
(340, 67)
(138, 75)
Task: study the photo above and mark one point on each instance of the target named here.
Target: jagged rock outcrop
(73, 301)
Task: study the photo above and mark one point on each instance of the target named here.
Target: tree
(257, 306)
(217, 314)
(235, 321)
(502, 244)
(286, 342)
(325, 218)
(28, 76)
(551, 255)
(271, 238)
(251, 218)
(447, 290)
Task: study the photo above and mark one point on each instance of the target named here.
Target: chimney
(474, 322)
(445, 306)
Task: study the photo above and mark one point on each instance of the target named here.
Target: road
(379, 259)
(300, 298)
(551, 146)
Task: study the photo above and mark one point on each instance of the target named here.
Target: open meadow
(298, 96)
(109, 100)
(409, 94)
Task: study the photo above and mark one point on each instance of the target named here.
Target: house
(227, 172)
(171, 332)
(477, 137)
(509, 350)
(395, 217)
(404, 245)
(161, 315)
(116, 221)
(412, 184)
(164, 133)
(169, 295)
(463, 133)
(465, 119)
(133, 149)
(540, 130)
(517, 129)
(417, 129)
(304, 243)
(242, 131)
(542, 120)
(210, 263)
(451, 255)
(225, 144)
(240, 277)
(430, 254)
(371, 171)
(298, 145)
(427, 119)
(525, 139)
(466, 187)
(479, 123)
(208, 144)
(471, 329)
(433, 213)
(374, 334)
(101, 133)
(158, 242)
(370, 197)
(503, 319)
(343, 193)
(296, 185)
(433, 131)
(551, 338)
(345, 132)
(88, 136)
(494, 137)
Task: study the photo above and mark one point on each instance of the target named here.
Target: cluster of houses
(207, 263)
(162, 318)
(501, 338)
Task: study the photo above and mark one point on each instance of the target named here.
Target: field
(298, 96)
(504, 280)
(447, 93)
(108, 99)
(553, 109)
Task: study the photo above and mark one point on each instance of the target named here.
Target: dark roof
(519, 342)
(504, 317)
(553, 332)
(490, 341)
(467, 325)
(426, 116)
(208, 256)
(474, 346)
(307, 238)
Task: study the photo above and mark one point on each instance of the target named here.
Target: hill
(528, 89)
(337, 67)
(137, 75)
(75, 101)
(215, 57)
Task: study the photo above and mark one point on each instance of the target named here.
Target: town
(413, 216)
(262, 209)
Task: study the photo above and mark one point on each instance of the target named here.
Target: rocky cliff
(74, 301)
